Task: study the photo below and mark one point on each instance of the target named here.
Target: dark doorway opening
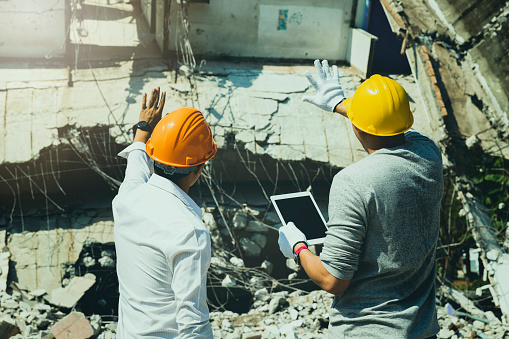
(387, 58)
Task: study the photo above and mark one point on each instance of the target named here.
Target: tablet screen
(302, 211)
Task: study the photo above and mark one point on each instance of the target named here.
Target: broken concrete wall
(42, 249)
(465, 43)
(480, 29)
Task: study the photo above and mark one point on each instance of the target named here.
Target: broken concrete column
(4, 261)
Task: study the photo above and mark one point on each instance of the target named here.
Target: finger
(156, 97)
(151, 99)
(144, 101)
(161, 103)
(326, 68)
(311, 79)
(319, 70)
(335, 72)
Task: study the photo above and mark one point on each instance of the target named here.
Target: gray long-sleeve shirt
(383, 227)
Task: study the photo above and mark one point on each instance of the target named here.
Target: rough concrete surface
(468, 45)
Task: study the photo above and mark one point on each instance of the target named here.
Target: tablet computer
(302, 210)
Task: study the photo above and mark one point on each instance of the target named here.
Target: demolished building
(68, 107)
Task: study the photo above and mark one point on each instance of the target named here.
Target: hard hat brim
(348, 104)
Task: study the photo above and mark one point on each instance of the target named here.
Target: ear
(358, 130)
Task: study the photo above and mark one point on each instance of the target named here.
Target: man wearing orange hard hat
(163, 247)
(378, 257)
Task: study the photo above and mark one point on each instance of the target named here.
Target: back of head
(181, 141)
(380, 107)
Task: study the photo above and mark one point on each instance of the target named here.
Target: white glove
(328, 88)
(289, 235)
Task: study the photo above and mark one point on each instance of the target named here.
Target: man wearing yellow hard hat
(163, 247)
(378, 258)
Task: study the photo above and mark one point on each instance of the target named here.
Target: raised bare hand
(152, 112)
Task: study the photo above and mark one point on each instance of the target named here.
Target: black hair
(175, 177)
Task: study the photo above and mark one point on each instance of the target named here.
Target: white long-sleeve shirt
(163, 254)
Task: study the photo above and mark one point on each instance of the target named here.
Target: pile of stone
(272, 315)
(26, 315)
(277, 315)
(455, 324)
(306, 315)
(250, 228)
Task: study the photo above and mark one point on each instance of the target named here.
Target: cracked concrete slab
(243, 100)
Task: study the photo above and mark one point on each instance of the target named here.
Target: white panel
(33, 29)
(359, 49)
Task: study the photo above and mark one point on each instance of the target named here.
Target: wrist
(341, 108)
(299, 244)
(141, 136)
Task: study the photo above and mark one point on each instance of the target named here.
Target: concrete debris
(88, 261)
(8, 327)
(472, 142)
(68, 296)
(74, 325)
(495, 259)
(31, 319)
(259, 239)
(37, 293)
(306, 315)
(256, 226)
(107, 262)
(249, 247)
(240, 219)
(237, 262)
(267, 266)
(229, 281)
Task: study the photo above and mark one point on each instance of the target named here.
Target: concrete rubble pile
(284, 314)
(306, 315)
(273, 309)
(27, 315)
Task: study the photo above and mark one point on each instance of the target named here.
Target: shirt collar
(171, 187)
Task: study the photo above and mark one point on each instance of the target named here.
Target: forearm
(341, 109)
(319, 275)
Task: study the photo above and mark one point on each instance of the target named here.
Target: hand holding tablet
(289, 236)
(301, 209)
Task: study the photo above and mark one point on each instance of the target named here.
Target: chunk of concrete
(250, 248)
(256, 226)
(240, 219)
(8, 327)
(68, 296)
(74, 325)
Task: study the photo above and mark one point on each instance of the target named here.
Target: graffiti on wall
(283, 20)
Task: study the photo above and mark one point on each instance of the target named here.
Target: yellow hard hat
(182, 139)
(380, 107)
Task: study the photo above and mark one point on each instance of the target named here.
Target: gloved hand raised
(289, 235)
(329, 92)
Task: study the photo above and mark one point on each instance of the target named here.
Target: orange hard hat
(182, 139)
